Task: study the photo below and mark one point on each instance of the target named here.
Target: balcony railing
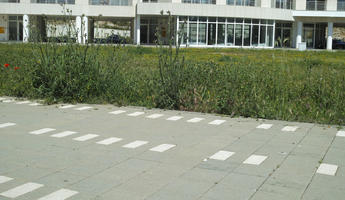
(111, 2)
(316, 5)
(9, 1)
(54, 1)
(341, 6)
(200, 1)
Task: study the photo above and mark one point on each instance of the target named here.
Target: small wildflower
(6, 65)
(16, 68)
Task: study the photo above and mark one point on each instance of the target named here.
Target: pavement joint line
(4, 125)
(61, 194)
(86, 137)
(222, 155)
(341, 134)
(135, 114)
(116, 112)
(217, 122)
(154, 116)
(195, 120)
(109, 141)
(4, 179)
(264, 126)
(323, 157)
(174, 118)
(83, 108)
(21, 190)
(327, 169)
(290, 128)
(42, 131)
(135, 144)
(162, 147)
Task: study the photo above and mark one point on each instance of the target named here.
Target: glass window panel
(231, 20)
(262, 35)
(238, 2)
(12, 30)
(255, 35)
(286, 38)
(183, 18)
(212, 19)
(255, 21)
(202, 33)
(238, 35)
(270, 22)
(221, 34)
(246, 35)
(211, 34)
(230, 34)
(278, 38)
(203, 19)
(247, 21)
(230, 2)
(221, 19)
(183, 33)
(194, 19)
(269, 38)
(192, 33)
(239, 20)
(263, 21)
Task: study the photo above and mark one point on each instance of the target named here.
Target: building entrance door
(308, 36)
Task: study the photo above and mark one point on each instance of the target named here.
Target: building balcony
(316, 5)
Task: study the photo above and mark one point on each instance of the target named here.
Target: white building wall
(300, 4)
(266, 3)
(4, 26)
(331, 5)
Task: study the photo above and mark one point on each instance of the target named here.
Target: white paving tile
(109, 141)
(195, 120)
(255, 160)
(327, 169)
(162, 147)
(222, 155)
(135, 144)
(264, 126)
(61, 194)
(42, 131)
(63, 134)
(8, 101)
(154, 116)
(290, 128)
(174, 118)
(135, 114)
(35, 104)
(85, 137)
(116, 112)
(84, 108)
(4, 125)
(67, 106)
(217, 122)
(4, 179)
(23, 102)
(21, 190)
(341, 133)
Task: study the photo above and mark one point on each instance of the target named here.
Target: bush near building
(272, 84)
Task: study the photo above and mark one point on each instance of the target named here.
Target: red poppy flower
(6, 65)
(16, 68)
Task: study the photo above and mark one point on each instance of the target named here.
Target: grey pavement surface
(103, 152)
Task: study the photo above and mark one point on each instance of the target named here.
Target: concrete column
(299, 33)
(177, 29)
(85, 29)
(78, 28)
(26, 28)
(330, 36)
(137, 30)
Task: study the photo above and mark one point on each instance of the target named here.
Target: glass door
(308, 36)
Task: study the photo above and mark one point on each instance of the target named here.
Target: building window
(341, 5)
(316, 5)
(283, 4)
(111, 2)
(283, 33)
(54, 1)
(226, 32)
(199, 1)
(241, 2)
(9, 1)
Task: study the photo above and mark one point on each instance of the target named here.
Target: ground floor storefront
(193, 31)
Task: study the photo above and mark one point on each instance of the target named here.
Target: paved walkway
(102, 152)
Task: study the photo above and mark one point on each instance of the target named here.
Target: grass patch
(272, 84)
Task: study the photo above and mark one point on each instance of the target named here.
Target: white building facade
(206, 23)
